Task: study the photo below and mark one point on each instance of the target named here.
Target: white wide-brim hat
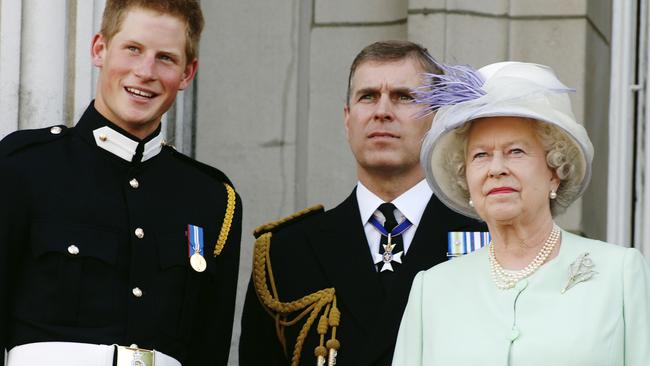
(504, 89)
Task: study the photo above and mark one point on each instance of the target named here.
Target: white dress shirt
(410, 204)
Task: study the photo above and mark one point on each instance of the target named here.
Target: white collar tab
(122, 146)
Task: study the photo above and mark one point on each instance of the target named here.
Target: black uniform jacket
(330, 250)
(73, 268)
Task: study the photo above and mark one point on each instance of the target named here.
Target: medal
(198, 263)
(195, 248)
(388, 256)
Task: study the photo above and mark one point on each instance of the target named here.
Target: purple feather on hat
(457, 84)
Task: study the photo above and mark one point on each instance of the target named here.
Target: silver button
(55, 130)
(134, 183)
(139, 233)
(73, 249)
(137, 292)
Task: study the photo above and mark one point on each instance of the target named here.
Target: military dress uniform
(97, 229)
(316, 290)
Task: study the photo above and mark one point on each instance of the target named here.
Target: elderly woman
(505, 147)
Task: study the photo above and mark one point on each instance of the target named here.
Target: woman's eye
(479, 155)
(517, 151)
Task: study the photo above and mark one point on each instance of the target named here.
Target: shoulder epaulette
(276, 225)
(22, 139)
(231, 202)
(205, 168)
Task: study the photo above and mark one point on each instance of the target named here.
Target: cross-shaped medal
(388, 256)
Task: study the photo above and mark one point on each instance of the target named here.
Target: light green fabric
(456, 316)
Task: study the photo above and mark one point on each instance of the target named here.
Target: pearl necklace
(507, 279)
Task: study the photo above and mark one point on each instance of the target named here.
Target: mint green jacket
(456, 316)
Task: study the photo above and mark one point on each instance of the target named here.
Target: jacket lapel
(342, 249)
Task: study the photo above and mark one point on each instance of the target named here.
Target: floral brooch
(581, 270)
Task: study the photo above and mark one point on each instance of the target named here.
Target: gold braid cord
(276, 224)
(227, 220)
(309, 306)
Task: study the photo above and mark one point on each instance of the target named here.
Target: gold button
(103, 138)
(73, 249)
(133, 345)
(139, 233)
(55, 130)
(137, 292)
(134, 183)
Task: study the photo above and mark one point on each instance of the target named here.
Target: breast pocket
(178, 284)
(71, 274)
(74, 242)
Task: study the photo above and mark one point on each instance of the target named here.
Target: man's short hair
(187, 11)
(391, 51)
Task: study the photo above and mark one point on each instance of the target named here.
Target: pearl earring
(553, 195)
(471, 203)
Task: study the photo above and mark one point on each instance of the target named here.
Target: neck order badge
(195, 247)
(388, 256)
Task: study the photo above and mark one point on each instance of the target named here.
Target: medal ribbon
(398, 230)
(194, 240)
(464, 242)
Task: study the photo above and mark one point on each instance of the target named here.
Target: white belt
(78, 354)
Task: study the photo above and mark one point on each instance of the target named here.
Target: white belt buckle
(134, 356)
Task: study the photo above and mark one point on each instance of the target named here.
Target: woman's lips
(500, 190)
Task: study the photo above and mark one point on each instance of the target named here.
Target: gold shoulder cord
(311, 304)
(227, 221)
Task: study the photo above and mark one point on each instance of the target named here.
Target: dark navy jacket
(72, 263)
(330, 249)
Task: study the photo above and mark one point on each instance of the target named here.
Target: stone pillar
(596, 114)
(10, 37)
(42, 64)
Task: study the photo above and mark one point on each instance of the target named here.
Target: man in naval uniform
(115, 248)
(333, 285)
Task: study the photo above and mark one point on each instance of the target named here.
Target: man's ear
(189, 73)
(346, 118)
(98, 49)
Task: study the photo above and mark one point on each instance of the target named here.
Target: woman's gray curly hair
(560, 154)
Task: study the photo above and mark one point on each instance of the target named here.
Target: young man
(335, 283)
(112, 244)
